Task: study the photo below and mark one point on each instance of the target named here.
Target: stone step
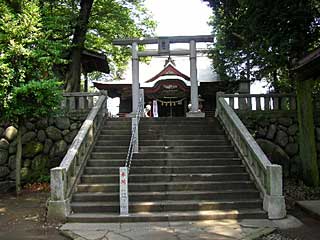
(176, 119)
(162, 127)
(168, 216)
(163, 169)
(148, 137)
(220, 164)
(195, 136)
(107, 119)
(118, 137)
(168, 186)
(145, 178)
(123, 142)
(145, 149)
(164, 155)
(238, 194)
(177, 131)
(191, 142)
(167, 206)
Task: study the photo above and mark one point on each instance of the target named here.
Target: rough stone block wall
(278, 136)
(44, 144)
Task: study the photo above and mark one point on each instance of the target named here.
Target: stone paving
(201, 230)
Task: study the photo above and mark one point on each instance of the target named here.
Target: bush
(34, 99)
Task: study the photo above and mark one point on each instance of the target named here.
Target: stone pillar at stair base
(58, 210)
(273, 201)
(59, 204)
(275, 206)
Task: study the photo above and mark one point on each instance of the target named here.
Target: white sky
(180, 17)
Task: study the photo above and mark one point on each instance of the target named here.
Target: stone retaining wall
(44, 144)
(277, 134)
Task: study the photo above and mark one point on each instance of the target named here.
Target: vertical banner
(124, 200)
(155, 108)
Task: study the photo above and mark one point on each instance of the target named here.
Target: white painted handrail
(267, 176)
(65, 177)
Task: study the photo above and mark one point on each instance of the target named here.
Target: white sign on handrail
(124, 198)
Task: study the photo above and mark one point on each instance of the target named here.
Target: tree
(26, 53)
(264, 36)
(98, 23)
(26, 58)
(74, 72)
(267, 38)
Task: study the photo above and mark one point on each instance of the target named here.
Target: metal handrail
(134, 137)
(133, 147)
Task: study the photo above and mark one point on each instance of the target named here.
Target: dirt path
(24, 217)
(309, 231)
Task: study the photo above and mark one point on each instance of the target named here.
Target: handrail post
(59, 203)
(218, 96)
(135, 131)
(105, 105)
(142, 101)
(273, 201)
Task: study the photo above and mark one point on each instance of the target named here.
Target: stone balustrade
(79, 101)
(65, 177)
(262, 102)
(267, 176)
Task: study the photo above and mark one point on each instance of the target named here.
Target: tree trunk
(18, 162)
(73, 75)
(307, 144)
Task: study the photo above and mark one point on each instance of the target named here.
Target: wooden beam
(155, 40)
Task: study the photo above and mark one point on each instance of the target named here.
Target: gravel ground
(24, 217)
(278, 236)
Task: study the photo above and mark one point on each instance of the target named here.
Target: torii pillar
(194, 112)
(135, 78)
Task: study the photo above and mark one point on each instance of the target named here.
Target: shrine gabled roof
(169, 70)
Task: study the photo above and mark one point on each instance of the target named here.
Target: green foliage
(262, 38)
(34, 99)
(26, 51)
(36, 37)
(111, 19)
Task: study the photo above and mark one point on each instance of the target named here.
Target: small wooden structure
(93, 61)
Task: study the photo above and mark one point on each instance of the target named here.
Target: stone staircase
(186, 170)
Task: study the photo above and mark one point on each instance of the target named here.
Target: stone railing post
(218, 95)
(135, 127)
(59, 203)
(273, 201)
(142, 101)
(105, 107)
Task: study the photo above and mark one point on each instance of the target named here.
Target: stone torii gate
(164, 50)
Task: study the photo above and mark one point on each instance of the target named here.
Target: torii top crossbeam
(171, 39)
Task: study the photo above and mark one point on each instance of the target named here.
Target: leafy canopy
(262, 38)
(26, 54)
